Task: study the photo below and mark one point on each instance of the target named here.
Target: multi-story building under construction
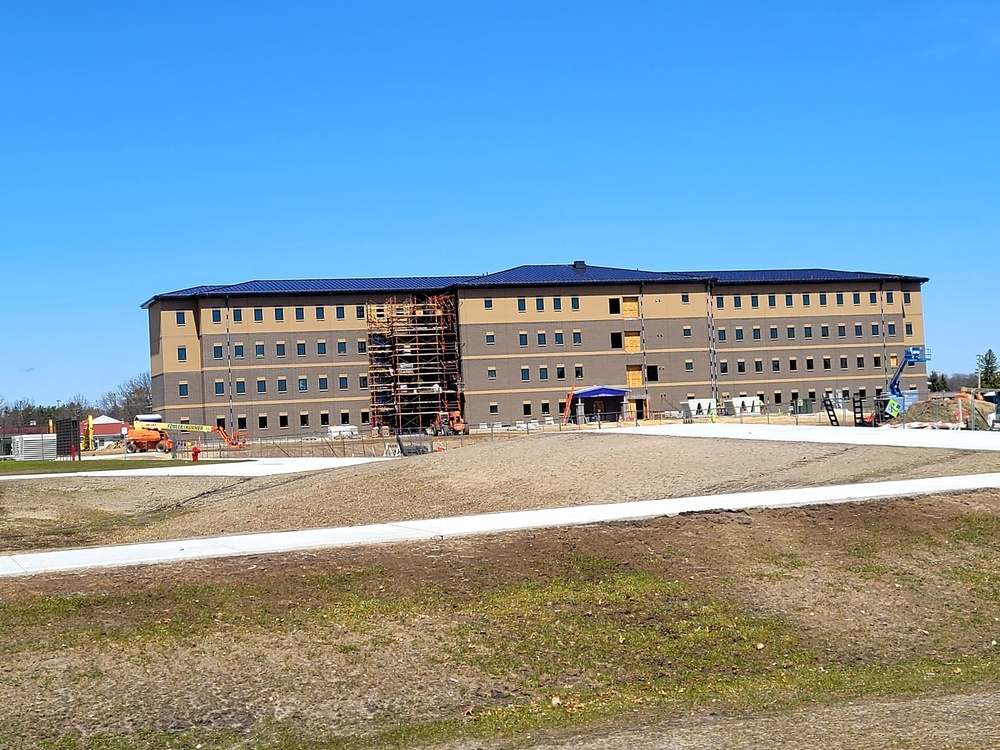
(280, 357)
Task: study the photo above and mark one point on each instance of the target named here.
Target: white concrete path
(756, 428)
(252, 467)
(255, 544)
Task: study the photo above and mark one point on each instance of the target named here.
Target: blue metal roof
(601, 391)
(798, 275)
(528, 275)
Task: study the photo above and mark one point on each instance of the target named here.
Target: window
(365, 418)
(560, 372)
(687, 332)
(220, 388)
(888, 298)
(876, 361)
(238, 315)
(557, 306)
(737, 301)
(754, 301)
(342, 382)
(300, 313)
(541, 338)
(774, 333)
(909, 329)
(842, 331)
(772, 301)
(363, 382)
(827, 364)
(559, 338)
(282, 385)
(304, 419)
(359, 312)
(487, 303)
(258, 315)
(321, 348)
(241, 422)
(822, 299)
(720, 302)
(758, 365)
(526, 408)
(494, 408)
(578, 372)
(279, 313)
(617, 342)
(303, 384)
(543, 373)
(652, 373)
(723, 367)
(874, 329)
(873, 297)
(283, 421)
(300, 348)
(807, 331)
(858, 330)
(574, 303)
(891, 329)
(340, 312)
(775, 365)
(262, 421)
(280, 349)
(790, 331)
(793, 364)
(539, 304)
(182, 354)
(490, 338)
(685, 298)
(739, 334)
(241, 386)
(906, 298)
(810, 365)
(688, 365)
(840, 298)
(362, 346)
(342, 347)
(491, 373)
(741, 366)
(788, 300)
(722, 334)
(180, 317)
(614, 306)
(525, 374)
(861, 362)
(216, 315)
(320, 313)
(522, 338)
(805, 300)
(261, 386)
(824, 331)
(857, 298)
(756, 333)
(545, 408)
(843, 363)
(577, 338)
(182, 390)
(238, 351)
(777, 397)
(323, 383)
(324, 419)
(217, 351)
(345, 417)
(258, 350)
(521, 304)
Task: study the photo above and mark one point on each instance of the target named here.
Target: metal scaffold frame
(413, 361)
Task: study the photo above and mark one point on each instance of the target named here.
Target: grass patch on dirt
(12, 468)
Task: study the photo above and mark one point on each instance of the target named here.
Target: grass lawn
(104, 464)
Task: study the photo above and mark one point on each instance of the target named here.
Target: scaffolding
(413, 365)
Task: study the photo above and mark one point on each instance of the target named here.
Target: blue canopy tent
(599, 402)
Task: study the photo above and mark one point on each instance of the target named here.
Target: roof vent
(580, 265)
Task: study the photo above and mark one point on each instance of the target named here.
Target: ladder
(831, 413)
(859, 413)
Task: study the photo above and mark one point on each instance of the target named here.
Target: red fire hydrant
(194, 454)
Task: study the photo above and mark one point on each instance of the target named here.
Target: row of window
(772, 299)
(281, 384)
(280, 349)
(522, 304)
(543, 373)
(299, 313)
(807, 331)
(283, 420)
(793, 364)
(541, 338)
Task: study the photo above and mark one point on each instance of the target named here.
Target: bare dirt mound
(947, 410)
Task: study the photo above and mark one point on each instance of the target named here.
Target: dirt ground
(864, 584)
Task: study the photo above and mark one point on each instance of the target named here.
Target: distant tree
(958, 380)
(988, 370)
(132, 397)
(937, 382)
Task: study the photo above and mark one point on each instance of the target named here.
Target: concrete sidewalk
(256, 544)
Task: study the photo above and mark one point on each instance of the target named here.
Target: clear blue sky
(153, 146)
